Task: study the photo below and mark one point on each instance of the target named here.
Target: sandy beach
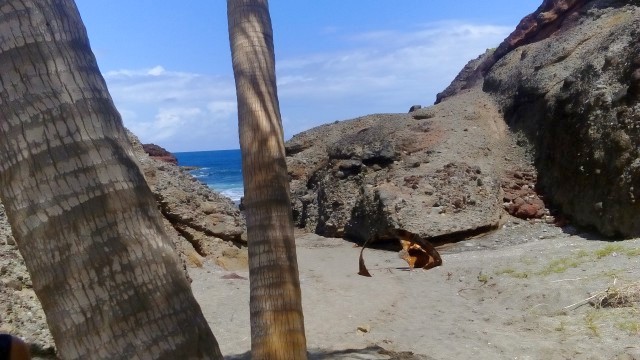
(523, 300)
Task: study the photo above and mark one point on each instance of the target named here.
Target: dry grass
(575, 260)
(618, 296)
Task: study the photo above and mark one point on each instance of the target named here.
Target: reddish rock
(527, 211)
(159, 153)
(540, 24)
(519, 194)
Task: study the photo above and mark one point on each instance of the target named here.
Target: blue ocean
(221, 170)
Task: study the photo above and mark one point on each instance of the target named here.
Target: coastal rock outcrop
(575, 97)
(159, 153)
(568, 80)
(435, 172)
(202, 222)
(559, 98)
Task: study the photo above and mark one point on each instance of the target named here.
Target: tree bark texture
(277, 324)
(85, 221)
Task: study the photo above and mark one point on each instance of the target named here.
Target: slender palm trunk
(84, 219)
(277, 326)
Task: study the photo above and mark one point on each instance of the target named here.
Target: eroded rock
(428, 172)
(574, 96)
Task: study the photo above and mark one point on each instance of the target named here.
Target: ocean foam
(234, 194)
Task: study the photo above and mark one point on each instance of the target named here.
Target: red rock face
(533, 24)
(536, 26)
(533, 27)
(160, 153)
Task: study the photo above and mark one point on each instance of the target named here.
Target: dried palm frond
(362, 267)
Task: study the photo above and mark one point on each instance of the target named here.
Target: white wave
(234, 194)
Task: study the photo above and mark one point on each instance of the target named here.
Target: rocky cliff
(159, 153)
(569, 81)
(436, 172)
(575, 95)
(550, 117)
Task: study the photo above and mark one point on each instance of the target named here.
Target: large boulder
(433, 172)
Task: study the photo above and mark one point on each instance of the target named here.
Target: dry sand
(507, 295)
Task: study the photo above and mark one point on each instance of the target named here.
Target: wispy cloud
(179, 110)
(383, 71)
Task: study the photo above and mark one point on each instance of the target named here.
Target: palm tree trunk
(277, 325)
(82, 214)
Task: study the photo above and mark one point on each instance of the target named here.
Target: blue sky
(168, 63)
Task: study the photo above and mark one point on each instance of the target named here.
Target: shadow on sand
(368, 353)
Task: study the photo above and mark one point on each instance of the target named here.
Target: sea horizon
(221, 170)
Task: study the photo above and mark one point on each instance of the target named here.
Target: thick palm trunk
(277, 326)
(84, 219)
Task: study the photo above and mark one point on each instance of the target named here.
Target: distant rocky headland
(159, 153)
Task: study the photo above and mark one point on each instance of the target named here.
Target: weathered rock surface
(200, 222)
(566, 83)
(540, 24)
(159, 153)
(433, 172)
(575, 97)
(20, 310)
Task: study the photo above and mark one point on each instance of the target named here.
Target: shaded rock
(415, 107)
(573, 95)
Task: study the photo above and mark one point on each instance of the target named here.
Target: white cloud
(166, 124)
(222, 109)
(383, 71)
(178, 110)
(156, 71)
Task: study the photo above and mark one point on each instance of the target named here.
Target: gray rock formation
(202, 222)
(433, 172)
(576, 98)
(20, 311)
(571, 86)
(566, 83)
